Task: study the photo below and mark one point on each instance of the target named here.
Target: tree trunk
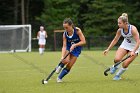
(15, 11)
(27, 11)
(22, 12)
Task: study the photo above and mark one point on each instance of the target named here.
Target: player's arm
(46, 35)
(81, 36)
(136, 37)
(64, 46)
(37, 35)
(82, 39)
(114, 41)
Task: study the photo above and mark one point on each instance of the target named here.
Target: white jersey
(129, 41)
(41, 37)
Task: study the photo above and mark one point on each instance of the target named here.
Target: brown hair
(69, 21)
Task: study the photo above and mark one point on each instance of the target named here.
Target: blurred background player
(41, 36)
(73, 39)
(130, 45)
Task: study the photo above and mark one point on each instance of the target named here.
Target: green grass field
(23, 72)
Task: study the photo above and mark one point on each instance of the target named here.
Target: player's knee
(69, 66)
(125, 64)
(65, 61)
(117, 60)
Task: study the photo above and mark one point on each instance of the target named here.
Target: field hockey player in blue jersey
(73, 40)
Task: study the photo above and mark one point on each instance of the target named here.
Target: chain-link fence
(92, 43)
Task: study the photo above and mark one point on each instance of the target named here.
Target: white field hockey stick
(34, 38)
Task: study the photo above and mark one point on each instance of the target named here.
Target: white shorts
(42, 42)
(129, 47)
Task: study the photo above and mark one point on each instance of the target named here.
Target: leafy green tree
(56, 11)
(101, 16)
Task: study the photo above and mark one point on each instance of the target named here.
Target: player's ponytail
(125, 14)
(124, 17)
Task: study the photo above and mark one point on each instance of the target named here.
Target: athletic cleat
(116, 77)
(113, 70)
(59, 80)
(41, 53)
(58, 69)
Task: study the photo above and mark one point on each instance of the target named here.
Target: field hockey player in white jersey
(130, 45)
(41, 36)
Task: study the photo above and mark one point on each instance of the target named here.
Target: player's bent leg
(119, 55)
(40, 49)
(119, 73)
(124, 68)
(59, 68)
(61, 65)
(64, 72)
(113, 69)
(128, 61)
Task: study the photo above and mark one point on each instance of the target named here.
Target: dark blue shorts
(76, 52)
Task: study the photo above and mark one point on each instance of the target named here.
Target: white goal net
(15, 38)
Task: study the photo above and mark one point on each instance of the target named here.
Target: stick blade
(105, 72)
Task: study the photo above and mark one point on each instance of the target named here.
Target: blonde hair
(125, 14)
(124, 17)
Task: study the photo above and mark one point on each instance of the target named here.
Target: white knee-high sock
(121, 71)
(40, 50)
(43, 49)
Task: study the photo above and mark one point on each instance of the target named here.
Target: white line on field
(15, 71)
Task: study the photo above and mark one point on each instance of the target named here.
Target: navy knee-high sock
(64, 72)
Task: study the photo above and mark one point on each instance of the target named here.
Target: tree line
(94, 17)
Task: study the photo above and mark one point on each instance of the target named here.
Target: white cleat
(58, 69)
(41, 53)
(117, 78)
(59, 80)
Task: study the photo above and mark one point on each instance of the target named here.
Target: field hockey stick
(44, 81)
(34, 38)
(108, 69)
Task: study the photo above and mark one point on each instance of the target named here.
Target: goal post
(15, 38)
(58, 36)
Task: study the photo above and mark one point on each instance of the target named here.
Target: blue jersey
(73, 40)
